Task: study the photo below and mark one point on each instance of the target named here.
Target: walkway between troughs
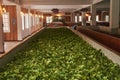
(111, 54)
(10, 45)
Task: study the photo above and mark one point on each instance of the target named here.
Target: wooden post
(1, 31)
(93, 14)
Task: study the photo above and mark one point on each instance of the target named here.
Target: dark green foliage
(59, 54)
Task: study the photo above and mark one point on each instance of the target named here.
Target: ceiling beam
(57, 2)
(16, 1)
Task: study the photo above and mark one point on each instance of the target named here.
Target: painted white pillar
(83, 19)
(1, 31)
(29, 21)
(19, 22)
(114, 15)
(93, 14)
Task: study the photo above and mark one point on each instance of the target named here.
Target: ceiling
(62, 5)
(62, 8)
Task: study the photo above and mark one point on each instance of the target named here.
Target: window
(26, 21)
(80, 18)
(49, 19)
(37, 20)
(75, 19)
(23, 23)
(107, 18)
(6, 22)
(89, 18)
(33, 19)
(97, 18)
(30, 20)
(59, 17)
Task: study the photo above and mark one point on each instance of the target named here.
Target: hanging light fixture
(3, 8)
(55, 10)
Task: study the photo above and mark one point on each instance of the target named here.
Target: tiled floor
(8, 46)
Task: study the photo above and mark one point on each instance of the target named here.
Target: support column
(83, 19)
(93, 15)
(71, 20)
(29, 21)
(114, 16)
(73, 17)
(78, 17)
(102, 14)
(42, 19)
(19, 22)
(1, 31)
